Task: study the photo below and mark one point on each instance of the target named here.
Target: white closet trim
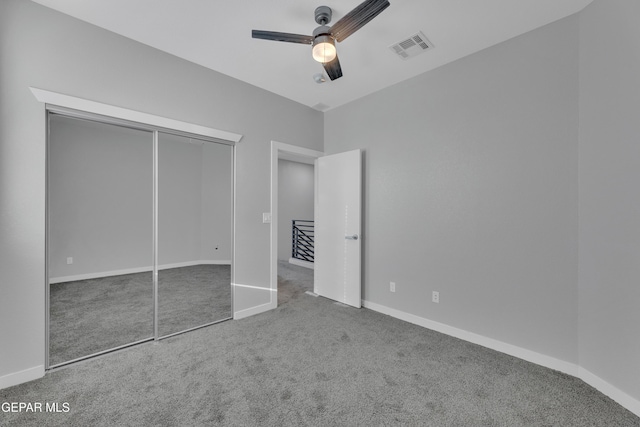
(81, 104)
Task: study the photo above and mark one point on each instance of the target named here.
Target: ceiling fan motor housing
(323, 15)
(322, 30)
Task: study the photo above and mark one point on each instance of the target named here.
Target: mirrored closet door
(100, 199)
(139, 234)
(195, 194)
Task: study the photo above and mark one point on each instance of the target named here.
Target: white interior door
(337, 245)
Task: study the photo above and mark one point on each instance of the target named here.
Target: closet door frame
(155, 130)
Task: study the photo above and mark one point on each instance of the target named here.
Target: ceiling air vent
(412, 46)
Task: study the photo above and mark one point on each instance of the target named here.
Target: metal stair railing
(302, 239)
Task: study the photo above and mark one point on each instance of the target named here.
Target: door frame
(280, 150)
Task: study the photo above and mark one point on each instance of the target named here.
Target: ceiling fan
(324, 37)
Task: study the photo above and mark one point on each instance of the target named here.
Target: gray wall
(100, 199)
(217, 202)
(471, 189)
(45, 49)
(609, 202)
(179, 199)
(195, 186)
(295, 200)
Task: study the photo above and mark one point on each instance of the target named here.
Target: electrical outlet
(392, 286)
(70, 260)
(266, 217)
(435, 297)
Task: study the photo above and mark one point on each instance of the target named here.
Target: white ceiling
(217, 35)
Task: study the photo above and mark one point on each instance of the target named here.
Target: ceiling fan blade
(281, 37)
(358, 18)
(333, 69)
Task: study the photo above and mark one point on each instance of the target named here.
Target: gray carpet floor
(89, 316)
(293, 280)
(313, 362)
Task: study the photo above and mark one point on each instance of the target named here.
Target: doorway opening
(292, 198)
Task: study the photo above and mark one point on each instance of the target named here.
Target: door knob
(354, 237)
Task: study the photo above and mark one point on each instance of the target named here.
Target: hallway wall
(295, 200)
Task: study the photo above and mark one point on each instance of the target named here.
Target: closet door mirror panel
(195, 193)
(100, 207)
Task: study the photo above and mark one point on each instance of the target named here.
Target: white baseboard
(98, 275)
(273, 302)
(614, 393)
(512, 350)
(22, 376)
(192, 263)
(253, 310)
(145, 269)
(572, 369)
(301, 263)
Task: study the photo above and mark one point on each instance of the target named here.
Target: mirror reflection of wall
(195, 232)
(100, 237)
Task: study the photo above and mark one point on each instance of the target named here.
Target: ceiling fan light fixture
(323, 40)
(324, 49)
